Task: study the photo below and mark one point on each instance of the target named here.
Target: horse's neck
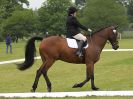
(99, 40)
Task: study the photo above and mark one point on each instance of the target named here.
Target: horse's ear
(116, 26)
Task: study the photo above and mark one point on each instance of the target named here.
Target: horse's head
(113, 37)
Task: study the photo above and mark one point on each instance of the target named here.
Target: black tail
(29, 53)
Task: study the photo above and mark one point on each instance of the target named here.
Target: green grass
(113, 72)
(18, 51)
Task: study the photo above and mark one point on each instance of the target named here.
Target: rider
(73, 31)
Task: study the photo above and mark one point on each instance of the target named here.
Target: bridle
(114, 43)
(110, 39)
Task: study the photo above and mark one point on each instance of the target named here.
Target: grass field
(113, 72)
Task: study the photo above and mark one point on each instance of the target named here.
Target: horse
(55, 48)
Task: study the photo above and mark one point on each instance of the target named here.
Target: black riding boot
(80, 47)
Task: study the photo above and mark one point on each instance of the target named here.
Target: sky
(35, 4)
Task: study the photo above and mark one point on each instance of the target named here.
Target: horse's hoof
(49, 89)
(77, 86)
(95, 88)
(32, 90)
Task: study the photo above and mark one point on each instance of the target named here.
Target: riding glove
(89, 30)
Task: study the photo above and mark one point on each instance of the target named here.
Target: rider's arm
(80, 25)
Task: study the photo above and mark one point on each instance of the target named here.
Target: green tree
(101, 13)
(22, 22)
(130, 11)
(123, 2)
(7, 7)
(53, 15)
(80, 2)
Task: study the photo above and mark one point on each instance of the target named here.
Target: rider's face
(75, 14)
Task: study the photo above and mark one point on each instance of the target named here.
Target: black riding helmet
(71, 10)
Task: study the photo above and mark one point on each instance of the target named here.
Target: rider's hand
(89, 30)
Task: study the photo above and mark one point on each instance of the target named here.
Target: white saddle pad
(73, 44)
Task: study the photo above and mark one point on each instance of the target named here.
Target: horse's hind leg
(38, 74)
(49, 63)
(43, 70)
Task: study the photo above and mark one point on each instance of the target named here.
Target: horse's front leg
(84, 82)
(90, 74)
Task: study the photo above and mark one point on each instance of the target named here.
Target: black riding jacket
(73, 25)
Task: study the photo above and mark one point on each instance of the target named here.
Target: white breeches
(80, 36)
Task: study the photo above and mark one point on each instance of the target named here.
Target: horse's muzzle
(115, 47)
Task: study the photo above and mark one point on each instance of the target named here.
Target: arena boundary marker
(69, 94)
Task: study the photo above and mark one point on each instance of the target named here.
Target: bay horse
(55, 48)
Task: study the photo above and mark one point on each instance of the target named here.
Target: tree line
(24, 22)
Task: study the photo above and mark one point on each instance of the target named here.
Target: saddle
(73, 43)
